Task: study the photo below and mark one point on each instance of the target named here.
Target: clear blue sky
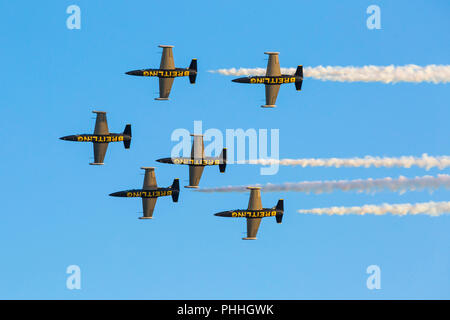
(55, 207)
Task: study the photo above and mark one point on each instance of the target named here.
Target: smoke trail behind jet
(425, 161)
(385, 74)
(401, 184)
(426, 208)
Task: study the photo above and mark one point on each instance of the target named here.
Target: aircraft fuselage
(161, 73)
(268, 80)
(207, 161)
(140, 193)
(242, 213)
(112, 137)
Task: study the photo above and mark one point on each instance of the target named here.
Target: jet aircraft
(255, 212)
(101, 137)
(150, 192)
(274, 79)
(198, 161)
(167, 72)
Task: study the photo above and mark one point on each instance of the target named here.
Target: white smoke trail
(402, 184)
(385, 74)
(426, 161)
(428, 208)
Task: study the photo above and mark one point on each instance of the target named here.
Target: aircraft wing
(197, 153)
(271, 94)
(195, 173)
(149, 178)
(148, 205)
(99, 152)
(101, 125)
(198, 147)
(252, 228)
(165, 85)
(167, 62)
(254, 203)
(273, 65)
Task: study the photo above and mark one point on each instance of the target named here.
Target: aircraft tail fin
(280, 210)
(223, 158)
(175, 190)
(298, 78)
(193, 67)
(127, 132)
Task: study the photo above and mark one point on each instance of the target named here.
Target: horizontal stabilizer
(298, 78)
(299, 72)
(223, 160)
(127, 132)
(175, 190)
(280, 210)
(162, 99)
(193, 65)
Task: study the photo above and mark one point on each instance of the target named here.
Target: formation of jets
(150, 191)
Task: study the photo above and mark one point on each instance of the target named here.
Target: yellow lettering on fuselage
(165, 73)
(149, 194)
(272, 80)
(199, 162)
(254, 214)
(100, 139)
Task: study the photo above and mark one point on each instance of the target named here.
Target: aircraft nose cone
(115, 194)
(241, 80)
(64, 138)
(134, 72)
(165, 160)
